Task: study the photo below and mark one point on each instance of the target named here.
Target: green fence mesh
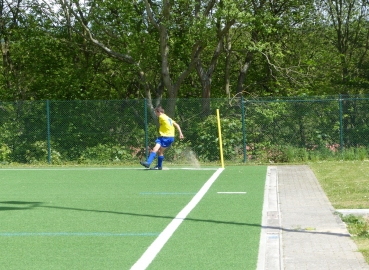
(123, 131)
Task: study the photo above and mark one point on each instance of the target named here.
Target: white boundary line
(262, 243)
(164, 236)
(101, 168)
(270, 247)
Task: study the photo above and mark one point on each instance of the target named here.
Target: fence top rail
(307, 99)
(244, 99)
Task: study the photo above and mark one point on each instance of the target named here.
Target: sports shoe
(145, 164)
(156, 168)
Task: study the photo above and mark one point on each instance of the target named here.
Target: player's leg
(161, 157)
(151, 156)
(166, 142)
(160, 153)
(153, 153)
(161, 144)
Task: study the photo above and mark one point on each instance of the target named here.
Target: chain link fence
(123, 131)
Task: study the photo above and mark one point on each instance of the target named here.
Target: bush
(38, 153)
(206, 143)
(4, 153)
(108, 153)
(361, 153)
(357, 225)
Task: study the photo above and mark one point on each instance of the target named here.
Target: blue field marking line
(104, 234)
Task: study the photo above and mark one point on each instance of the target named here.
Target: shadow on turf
(20, 205)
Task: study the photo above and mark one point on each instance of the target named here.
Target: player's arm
(179, 130)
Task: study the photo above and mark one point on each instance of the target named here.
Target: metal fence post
(146, 130)
(48, 131)
(341, 122)
(243, 131)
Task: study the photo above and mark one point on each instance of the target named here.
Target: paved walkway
(300, 230)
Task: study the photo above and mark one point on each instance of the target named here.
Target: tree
(258, 44)
(349, 21)
(162, 18)
(10, 15)
(223, 19)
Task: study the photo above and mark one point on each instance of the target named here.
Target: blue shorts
(165, 141)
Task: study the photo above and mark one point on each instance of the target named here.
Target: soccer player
(166, 138)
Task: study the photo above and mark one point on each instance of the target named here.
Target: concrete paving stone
(312, 236)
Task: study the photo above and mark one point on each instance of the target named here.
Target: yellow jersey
(166, 128)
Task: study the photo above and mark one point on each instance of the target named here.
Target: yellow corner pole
(220, 140)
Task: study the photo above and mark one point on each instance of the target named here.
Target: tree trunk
(206, 76)
(243, 72)
(228, 66)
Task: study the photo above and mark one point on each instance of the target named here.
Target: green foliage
(207, 144)
(266, 153)
(357, 226)
(361, 153)
(37, 153)
(180, 152)
(105, 154)
(294, 47)
(105, 131)
(353, 153)
(5, 152)
(278, 154)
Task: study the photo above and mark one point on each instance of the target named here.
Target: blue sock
(160, 161)
(151, 157)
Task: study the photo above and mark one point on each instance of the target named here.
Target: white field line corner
(149, 255)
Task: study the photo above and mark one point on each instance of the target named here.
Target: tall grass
(346, 183)
(292, 154)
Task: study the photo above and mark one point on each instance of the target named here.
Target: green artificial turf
(107, 218)
(223, 231)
